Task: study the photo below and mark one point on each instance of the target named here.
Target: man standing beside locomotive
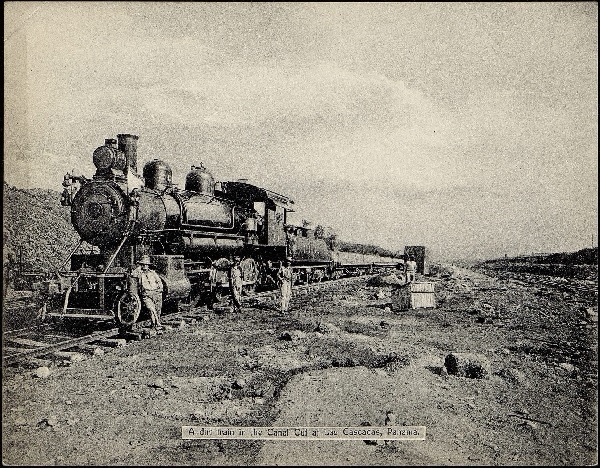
(236, 284)
(284, 278)
(410, 269)
(150, 288)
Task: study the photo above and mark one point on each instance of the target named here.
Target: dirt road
(341, 358)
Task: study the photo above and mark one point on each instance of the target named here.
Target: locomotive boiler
(190, 234)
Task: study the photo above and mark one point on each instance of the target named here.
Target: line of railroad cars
(190, 234)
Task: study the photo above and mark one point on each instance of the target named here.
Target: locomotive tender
(190, 234)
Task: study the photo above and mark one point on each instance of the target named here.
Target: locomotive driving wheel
(129, 307)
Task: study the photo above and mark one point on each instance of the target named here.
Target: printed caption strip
(305, 433)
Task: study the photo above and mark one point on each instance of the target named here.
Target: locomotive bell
(200, 180)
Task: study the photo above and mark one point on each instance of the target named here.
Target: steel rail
(16, 357)
(8, 359)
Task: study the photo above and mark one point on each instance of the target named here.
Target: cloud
(327, 119)
(320, 120)
(454, 222)
(321, 97)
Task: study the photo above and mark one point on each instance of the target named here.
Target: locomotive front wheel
(128, 309)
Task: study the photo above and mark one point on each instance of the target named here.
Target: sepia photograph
(308, 233)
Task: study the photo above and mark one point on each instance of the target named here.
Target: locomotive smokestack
(128, 144)
(110, 142)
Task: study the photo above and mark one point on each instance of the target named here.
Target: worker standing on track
(151, 289)
(284, 278)
(410, 268)
(236, 284)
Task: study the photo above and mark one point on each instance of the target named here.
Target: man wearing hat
(151, 289)
(284, 277)
(236, 283)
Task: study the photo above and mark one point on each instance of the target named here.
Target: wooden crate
(414, 296)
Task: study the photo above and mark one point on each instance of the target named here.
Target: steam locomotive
(191, 235)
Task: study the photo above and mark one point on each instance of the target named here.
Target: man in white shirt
(150, 287)
(236, 283)
(285, 277)
(410, 268)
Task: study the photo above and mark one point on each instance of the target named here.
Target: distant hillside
(35, 220)
(581, 257)
(588, 256)
(582, 264)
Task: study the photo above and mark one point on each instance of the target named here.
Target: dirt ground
(341, 357)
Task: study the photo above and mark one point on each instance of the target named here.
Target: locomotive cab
(269, 214)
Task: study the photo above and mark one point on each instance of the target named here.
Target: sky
(470, 128)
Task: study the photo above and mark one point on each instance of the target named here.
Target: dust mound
(385, 280)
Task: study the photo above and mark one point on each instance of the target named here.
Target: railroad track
(54, 341)
(23, 346)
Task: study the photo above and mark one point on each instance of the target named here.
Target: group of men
(284, 281)
(151, 286)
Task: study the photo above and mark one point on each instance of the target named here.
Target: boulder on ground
(590, 314)
(326, 327)
(42, 372)
(293, 335)
(473, 366)
(158, 383)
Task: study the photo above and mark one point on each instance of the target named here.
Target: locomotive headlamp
(107, 157)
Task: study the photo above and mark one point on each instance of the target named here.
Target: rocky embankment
(35, 221)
